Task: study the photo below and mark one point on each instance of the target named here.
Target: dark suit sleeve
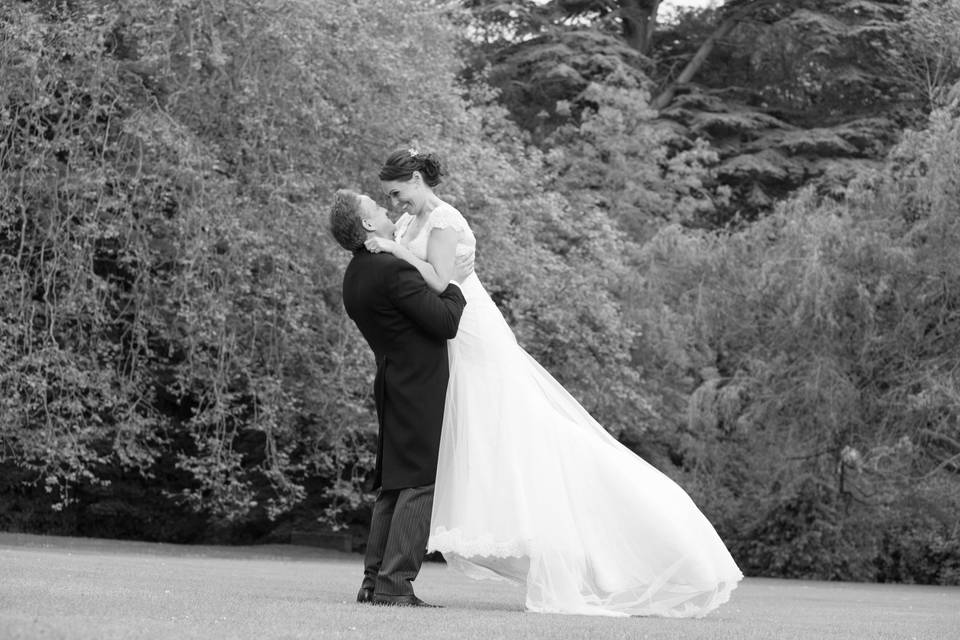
(437, 315)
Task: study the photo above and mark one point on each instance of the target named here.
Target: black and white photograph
(480, 319)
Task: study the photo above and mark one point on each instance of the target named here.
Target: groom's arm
(438, 315)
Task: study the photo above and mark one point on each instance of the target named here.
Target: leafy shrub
(819, 346)
(171, 311)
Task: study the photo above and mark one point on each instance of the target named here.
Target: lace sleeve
(445, 216)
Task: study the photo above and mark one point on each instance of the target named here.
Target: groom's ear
(369, 226)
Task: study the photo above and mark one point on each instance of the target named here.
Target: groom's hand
(462, 267)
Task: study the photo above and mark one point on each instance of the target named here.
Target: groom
(407, 326)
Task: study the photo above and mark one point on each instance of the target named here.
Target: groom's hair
(346, 225)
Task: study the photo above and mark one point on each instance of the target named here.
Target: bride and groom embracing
(481, 454)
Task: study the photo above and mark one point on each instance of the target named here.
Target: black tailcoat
(407, 325)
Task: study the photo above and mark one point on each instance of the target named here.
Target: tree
(176, 339)
(636, 20)
(927, 52)
(802, 96)
(787, 93)
(814, 344)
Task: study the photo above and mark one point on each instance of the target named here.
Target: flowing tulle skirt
(532, 489)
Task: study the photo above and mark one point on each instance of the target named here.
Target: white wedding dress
(532, 489)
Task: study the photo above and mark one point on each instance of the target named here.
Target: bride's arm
(438, 269)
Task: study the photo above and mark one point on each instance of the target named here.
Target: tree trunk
(666, 96)
(639, 19)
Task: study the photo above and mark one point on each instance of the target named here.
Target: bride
(529, 486)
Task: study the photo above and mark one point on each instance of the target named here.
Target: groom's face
(375, 218)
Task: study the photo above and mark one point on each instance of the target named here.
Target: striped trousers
(398, 540)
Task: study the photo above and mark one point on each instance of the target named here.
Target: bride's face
(406, 196)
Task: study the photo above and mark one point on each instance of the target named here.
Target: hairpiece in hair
(413, 153)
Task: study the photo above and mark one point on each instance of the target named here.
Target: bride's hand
(463, 266)
(377, 245)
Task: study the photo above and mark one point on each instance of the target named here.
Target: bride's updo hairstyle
(401, 165)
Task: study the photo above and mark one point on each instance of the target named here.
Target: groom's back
(369, 286)
(366, 285)
(412, 368)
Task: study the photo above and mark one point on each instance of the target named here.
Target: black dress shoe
(365, 595)
(403, 601)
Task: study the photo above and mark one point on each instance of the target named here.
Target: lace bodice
(441, 217)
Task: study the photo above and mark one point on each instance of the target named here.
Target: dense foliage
(786, 94)
(176, 362)
(823, 427)
(174, 339)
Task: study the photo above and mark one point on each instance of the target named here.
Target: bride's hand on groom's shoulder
(381, 245)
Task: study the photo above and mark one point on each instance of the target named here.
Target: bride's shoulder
(446, 215)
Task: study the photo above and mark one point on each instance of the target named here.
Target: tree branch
(666, 96)
(736, 11)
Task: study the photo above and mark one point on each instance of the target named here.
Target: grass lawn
(99, 589)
